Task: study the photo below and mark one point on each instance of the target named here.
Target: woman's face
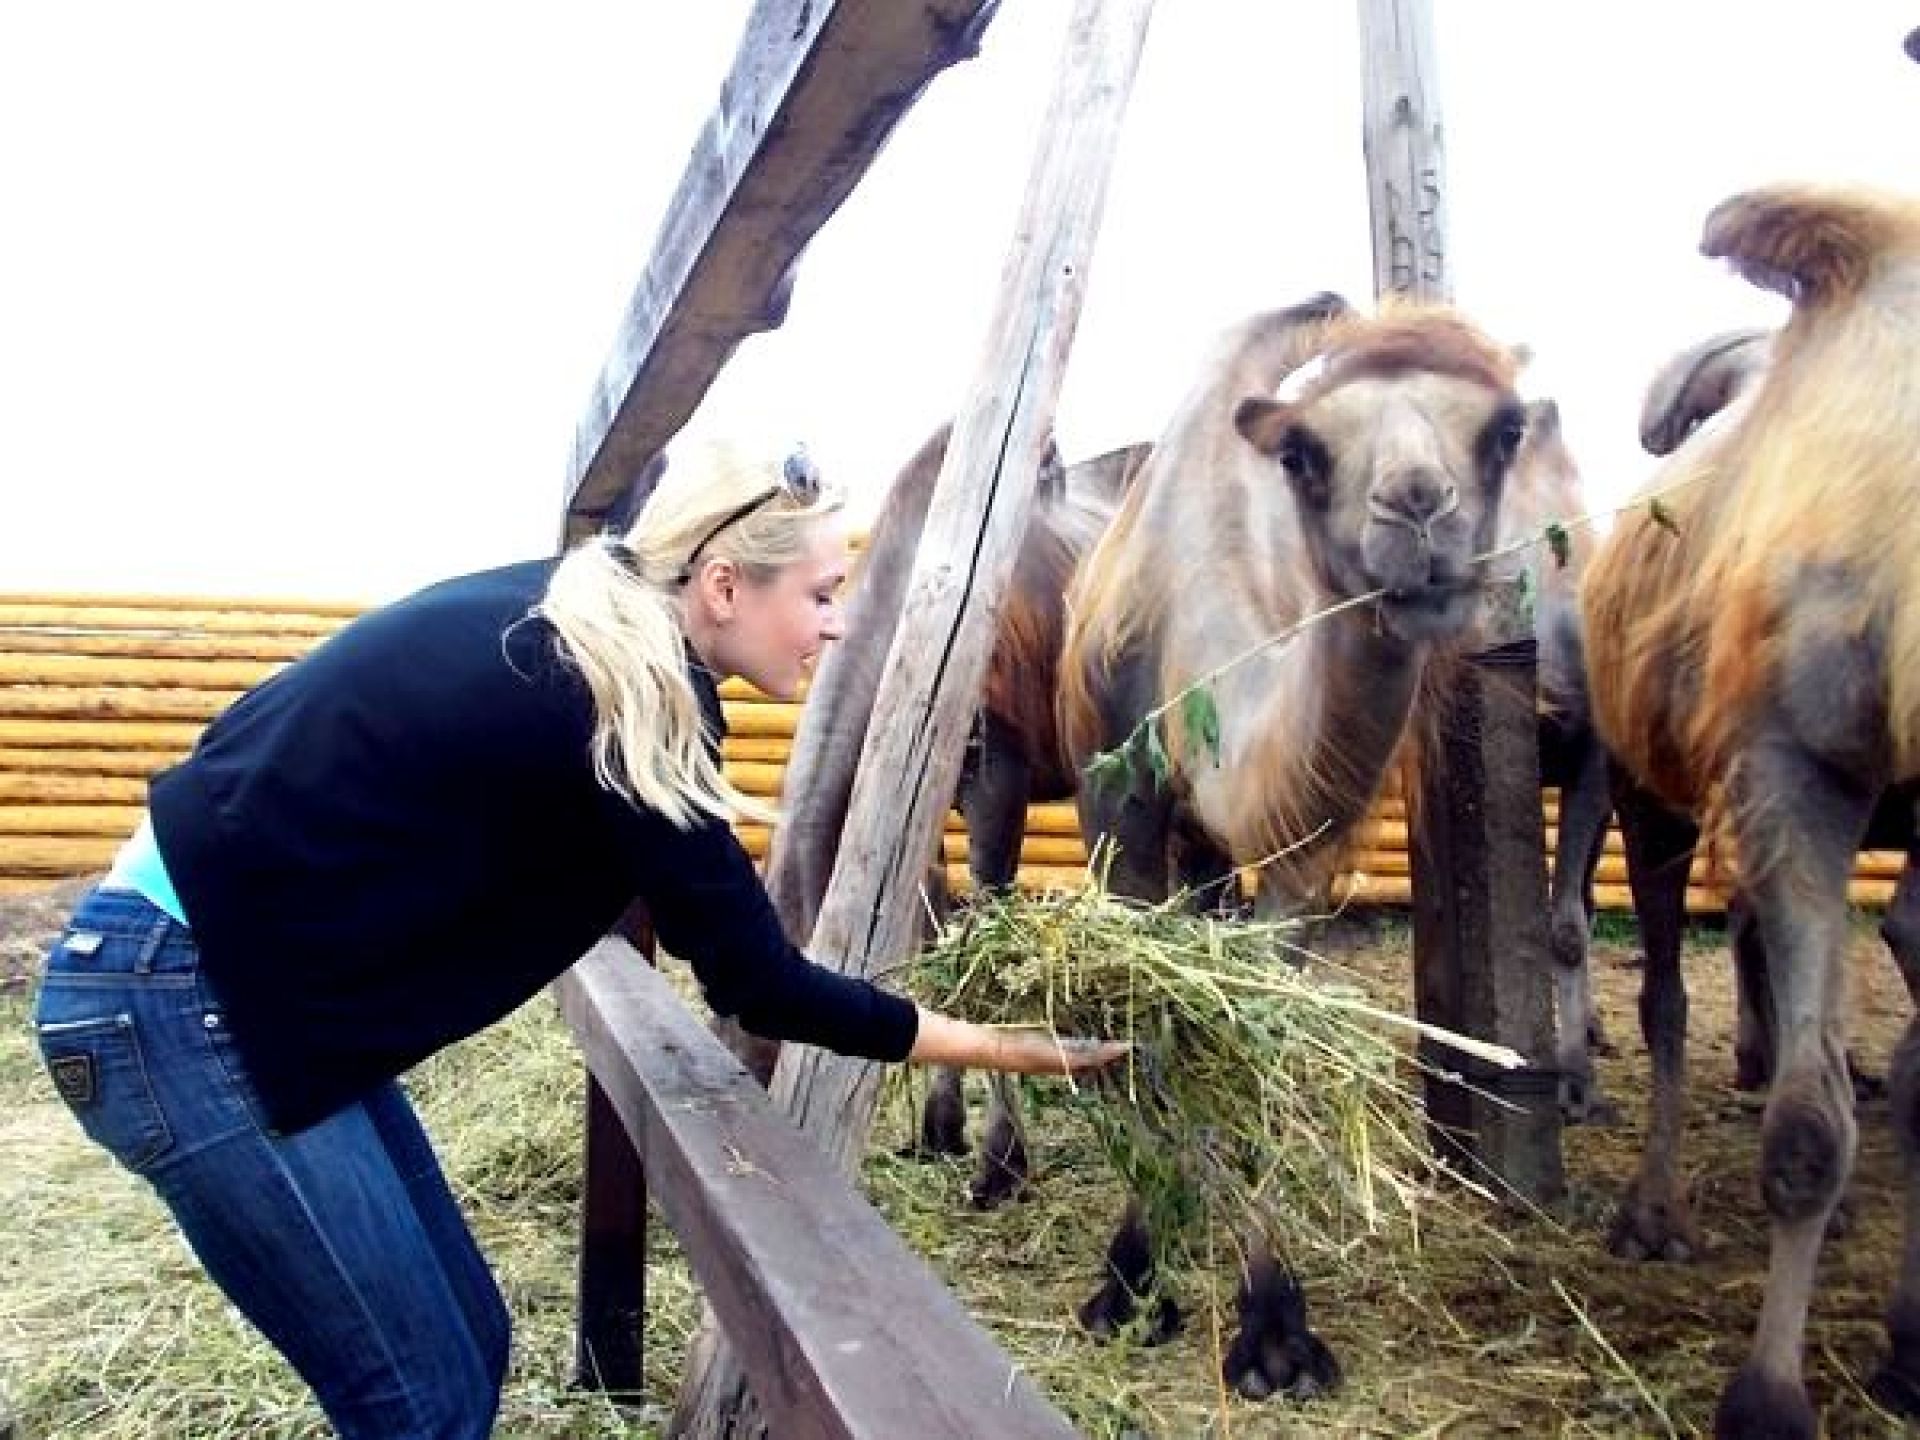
(776, 628)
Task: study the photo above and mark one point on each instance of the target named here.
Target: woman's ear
(717, 582)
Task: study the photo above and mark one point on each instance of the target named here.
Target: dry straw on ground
(1520, 1327)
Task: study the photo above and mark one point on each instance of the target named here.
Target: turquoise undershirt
(139, 867)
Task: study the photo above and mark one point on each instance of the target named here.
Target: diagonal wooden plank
(816, 88)
(846, 1331)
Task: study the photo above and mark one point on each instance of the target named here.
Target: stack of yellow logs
(98, 693)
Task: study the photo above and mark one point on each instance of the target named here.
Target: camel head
(1396, 452)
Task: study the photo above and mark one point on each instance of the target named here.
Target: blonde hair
(614, 606)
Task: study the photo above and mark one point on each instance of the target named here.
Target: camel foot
(1756, 1406)
(1000, 1179)
(1113, 1307)
(1275, 1353)
(943, 1128)
(1646, 1229)
(1582, 1103)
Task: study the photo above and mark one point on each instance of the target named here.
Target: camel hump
(1697, 384)
(1810, 243)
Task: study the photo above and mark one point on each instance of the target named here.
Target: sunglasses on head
(799, 482)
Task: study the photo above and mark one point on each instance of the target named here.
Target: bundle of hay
(1257, 1086)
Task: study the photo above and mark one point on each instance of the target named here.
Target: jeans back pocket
(97, 1068)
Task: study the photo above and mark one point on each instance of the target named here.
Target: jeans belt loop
(149, 947)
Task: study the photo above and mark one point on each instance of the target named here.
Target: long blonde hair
(613, 603)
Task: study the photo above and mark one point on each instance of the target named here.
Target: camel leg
(1900, 927)
(1584, 808)
(1004, 1169)
(1129, 1280)
(1654, 1221)
(994, 802)
(1754, 1018)
(1800, 841)
(1273, 1352)
(1897, 1383)
(1205, 873)
(1753, 1033)
(943, 1118)
(1133, 828)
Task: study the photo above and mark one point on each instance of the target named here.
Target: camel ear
(1273, 428)
(1263, 423)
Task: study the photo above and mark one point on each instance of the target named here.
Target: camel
(1754, 649)
(1378, 483)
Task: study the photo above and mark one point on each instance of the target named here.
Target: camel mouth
(1429, 610)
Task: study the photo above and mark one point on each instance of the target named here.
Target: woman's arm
(711, 909)
(943, 1040)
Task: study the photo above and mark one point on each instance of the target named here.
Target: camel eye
(1302, 456)
(1509, 429)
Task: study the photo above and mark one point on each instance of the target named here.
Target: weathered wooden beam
(609, 1337)
(910, 763)
(1405, 151)
(609, 1347)
(816, 88)
(846, 1332)
(1480, 940)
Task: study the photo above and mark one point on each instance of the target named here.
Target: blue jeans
(342, 1242)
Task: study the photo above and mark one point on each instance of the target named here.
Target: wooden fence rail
(846, 1332)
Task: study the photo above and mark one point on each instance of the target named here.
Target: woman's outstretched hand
(943, 1040)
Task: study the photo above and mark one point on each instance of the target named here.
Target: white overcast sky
(304, 300)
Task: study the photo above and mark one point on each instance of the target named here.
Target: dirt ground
(1696, 1318)
(27, 924)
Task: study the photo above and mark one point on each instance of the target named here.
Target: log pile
(97, 693)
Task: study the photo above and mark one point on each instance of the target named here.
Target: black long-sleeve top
(396, 840)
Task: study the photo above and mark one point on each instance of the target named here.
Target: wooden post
(1480, 937)
(609, 1330)
(1406, 156)
(609, 1347)
(1477, 851)
(910, 764)
(816, 88)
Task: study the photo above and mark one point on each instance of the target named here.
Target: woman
(393, 843)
